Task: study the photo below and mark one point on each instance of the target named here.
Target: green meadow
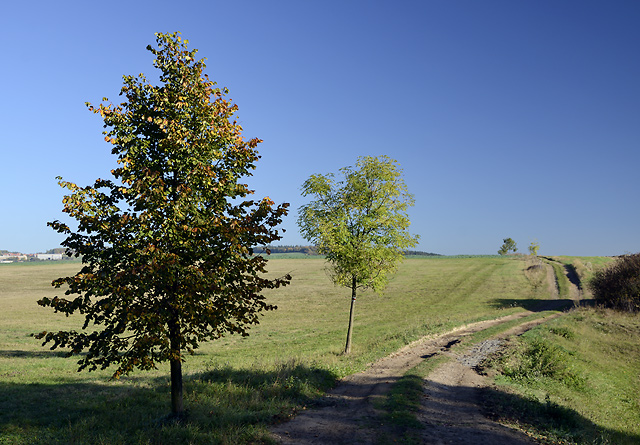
(236, 387)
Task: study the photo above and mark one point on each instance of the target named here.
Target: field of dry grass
(236, 386)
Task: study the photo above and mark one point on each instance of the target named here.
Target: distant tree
(508, 246)
(60, 250)
(419, 253)
(360, 223)
(533, 248)
(167, 244)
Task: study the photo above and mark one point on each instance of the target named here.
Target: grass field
(574, 379)
(235, 387)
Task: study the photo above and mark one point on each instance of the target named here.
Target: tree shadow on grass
(459, 414)
(572, 275)
(223, 406)
(533, 304)
(547, 421)
(16, 353)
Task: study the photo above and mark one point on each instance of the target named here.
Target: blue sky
(509, 118)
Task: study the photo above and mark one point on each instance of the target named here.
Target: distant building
(11, 257)
(49, 256)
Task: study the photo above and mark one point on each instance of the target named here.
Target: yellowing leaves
(167, 221)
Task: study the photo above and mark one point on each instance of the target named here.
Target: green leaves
(533, 248)
(360, 222)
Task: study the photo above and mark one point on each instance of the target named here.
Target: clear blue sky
(510, 118)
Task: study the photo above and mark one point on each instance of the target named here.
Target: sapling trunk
(347, 348)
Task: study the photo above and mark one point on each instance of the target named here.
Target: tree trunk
(347, 348)
(177, 405)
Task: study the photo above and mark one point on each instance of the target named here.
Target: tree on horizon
(508, 245)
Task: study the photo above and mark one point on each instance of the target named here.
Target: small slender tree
(508, 246)
(166, 245)
(360, 223)
(533, 248)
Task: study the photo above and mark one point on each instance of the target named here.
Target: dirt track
(450, 411)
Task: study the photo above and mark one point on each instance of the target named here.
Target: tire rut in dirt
(346, 414)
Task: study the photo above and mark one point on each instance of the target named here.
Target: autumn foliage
(167, 242)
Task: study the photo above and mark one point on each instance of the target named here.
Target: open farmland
(236, 386)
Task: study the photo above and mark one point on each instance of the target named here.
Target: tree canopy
(508, 245)
(360, 223)
(167, 243)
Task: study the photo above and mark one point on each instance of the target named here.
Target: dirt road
(450, 412)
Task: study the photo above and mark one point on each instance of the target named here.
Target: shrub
(536, 358)
(618, 286)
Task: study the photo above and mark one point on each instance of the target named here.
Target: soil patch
(347, 413)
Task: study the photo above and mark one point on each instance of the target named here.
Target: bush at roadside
(618, 285)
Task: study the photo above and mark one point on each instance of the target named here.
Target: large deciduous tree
(360, 223)
(166, 244)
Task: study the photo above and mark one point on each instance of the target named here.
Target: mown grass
(575, 379)
(234, 387)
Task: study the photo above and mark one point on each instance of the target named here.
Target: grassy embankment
(571, 380)
(574, 379)
(236, 386)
